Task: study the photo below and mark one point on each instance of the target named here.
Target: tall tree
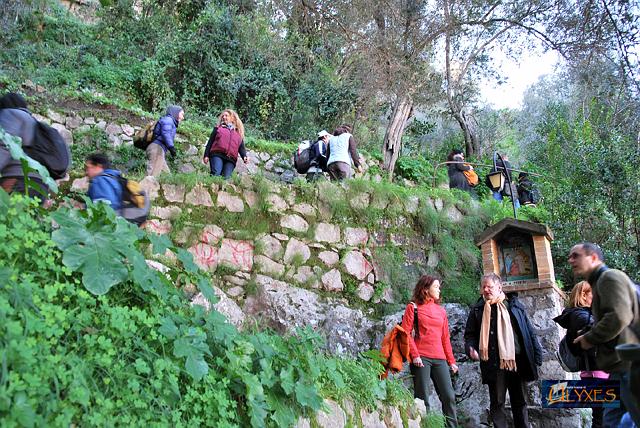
(472, 30)
(390, 45)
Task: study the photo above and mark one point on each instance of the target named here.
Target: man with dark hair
(500, 336)
(104, 184)
(617, 321)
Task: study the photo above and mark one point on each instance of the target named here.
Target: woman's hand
(205, 160)
(454, 368)
(417, 362)
(474, 354)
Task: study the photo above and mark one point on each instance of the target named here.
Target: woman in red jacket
(430, 347)
(225, 144)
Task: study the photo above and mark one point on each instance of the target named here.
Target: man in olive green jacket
(617, 319)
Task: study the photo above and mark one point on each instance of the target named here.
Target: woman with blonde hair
(225, 144)
(430, 346)
(577, 319)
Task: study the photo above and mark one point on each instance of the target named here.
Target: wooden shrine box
(520, 253)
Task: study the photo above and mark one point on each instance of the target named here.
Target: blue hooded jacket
(165, 131)
(107, 189)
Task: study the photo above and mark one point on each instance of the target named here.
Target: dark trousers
(508, 381)
(339, 171)
(221, 167)
(438, 372)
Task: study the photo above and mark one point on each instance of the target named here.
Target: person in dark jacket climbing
(577, 319)
(225, 143)
(16, 120)
(527, 192)
(164, 134)
(499, 335)
(318, 163)
(457, 179)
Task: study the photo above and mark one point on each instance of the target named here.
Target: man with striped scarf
(500, 336)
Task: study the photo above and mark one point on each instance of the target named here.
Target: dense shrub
(91, 336)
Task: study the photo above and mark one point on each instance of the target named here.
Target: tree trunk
(393, 135)
(471, 141)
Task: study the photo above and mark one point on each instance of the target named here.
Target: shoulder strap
(416, 329)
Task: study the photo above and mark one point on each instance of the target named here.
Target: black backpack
(49, 148)
(569, 362)
(302, 157)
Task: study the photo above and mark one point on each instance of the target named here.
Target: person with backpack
(342, 152)
(164, 134)
(511, 190)
(456, 172)
(528, 193)
(318, 157)
(499, 335)
(104, 185)
(430, 346)
(616, 311)
(17, 121)
(577, 319)
(225, 144)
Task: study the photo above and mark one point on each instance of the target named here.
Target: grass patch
(271, 147)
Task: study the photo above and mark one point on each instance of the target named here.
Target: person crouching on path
(430, 347)
(225, 143)
(342, 152)
(163, 137)
(499, 335)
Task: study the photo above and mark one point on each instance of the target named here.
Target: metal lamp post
(497, 180)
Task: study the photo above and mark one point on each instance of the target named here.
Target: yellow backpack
(132, 192)
(144, 136)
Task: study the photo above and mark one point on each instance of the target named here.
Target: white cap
(323, 133)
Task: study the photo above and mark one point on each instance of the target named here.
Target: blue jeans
(612, 417)
(498, 197)
(221, 167)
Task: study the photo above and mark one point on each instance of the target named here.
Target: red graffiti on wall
(211, 235)
(157, 226)
(205, 256)
(238, 254)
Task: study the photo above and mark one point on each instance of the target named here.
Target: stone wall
(344, 415)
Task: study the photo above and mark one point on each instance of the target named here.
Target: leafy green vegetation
(87, 340)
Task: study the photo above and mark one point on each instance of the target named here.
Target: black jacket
(530, 356)
(577, 321)
(457, 179)
(319, 154)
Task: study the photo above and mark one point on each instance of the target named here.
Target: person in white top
(342, 153)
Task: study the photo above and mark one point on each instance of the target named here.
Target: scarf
(506, 344)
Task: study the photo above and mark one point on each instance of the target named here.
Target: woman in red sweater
(430, 347)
